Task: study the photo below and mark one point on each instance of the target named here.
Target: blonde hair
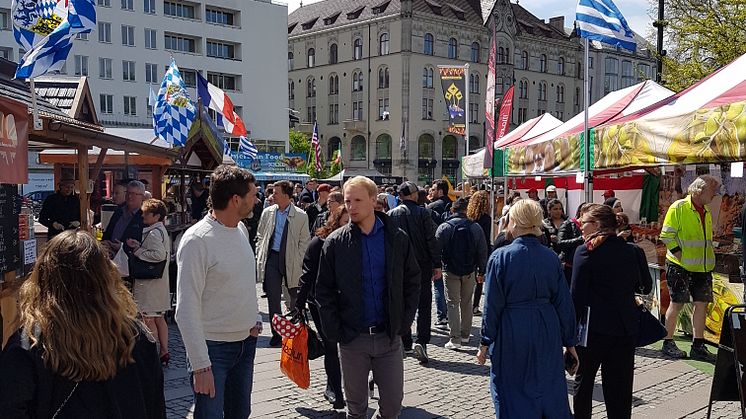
(700, 183)
(365, 182)
(526, 217)
(479, 204)
(75, 307)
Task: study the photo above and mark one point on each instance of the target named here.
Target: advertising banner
(453, 82)
(272, 162)
(13, 142)
(489, 105)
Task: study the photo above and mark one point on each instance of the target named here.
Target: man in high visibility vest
(690, 257)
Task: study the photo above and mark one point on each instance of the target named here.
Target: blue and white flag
(173, 112)
(45, 29)
(247, 148)
(601, 20)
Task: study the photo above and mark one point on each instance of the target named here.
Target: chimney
(557, 22)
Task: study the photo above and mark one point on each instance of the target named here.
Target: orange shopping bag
(294, 359)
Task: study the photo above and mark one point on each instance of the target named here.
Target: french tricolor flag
(216, 99)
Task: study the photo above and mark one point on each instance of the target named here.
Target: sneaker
(465, 341)
(701, 353)
(421, 353)
(442, 324)
(672, 351)
(452, 346)
(476, 311)
(408, 351)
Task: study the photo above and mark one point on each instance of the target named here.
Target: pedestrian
(80, 351)
(367, 290)
(569, 238)
(550, 193)
(310, 190)
(319, 206)
(153, 296)
(126, 223)
(533, 194)
(199, 198)
(528, 318)
(307, 294)
(609, 193)
(624, 230)
(382, 203)
(282, 239)
(615, 204)
(61, 210)
(478, 211)
(417, 222)
(607, 272)
(690, 259)
(119, 193)
(552, 224)
(335, 200)
(439, 206)
(217, 309)
(464, 254)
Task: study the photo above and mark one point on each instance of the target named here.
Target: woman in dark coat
(552, 224)
(339, 217)
(479, 212)
(607, 272)
(569, 238)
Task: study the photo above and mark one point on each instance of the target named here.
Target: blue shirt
(281, 217)
(374, 276)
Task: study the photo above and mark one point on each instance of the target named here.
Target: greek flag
(247, 148)
(173, 112)
(601, 20)
(45, 29)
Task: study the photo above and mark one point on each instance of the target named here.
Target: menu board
(10, 208)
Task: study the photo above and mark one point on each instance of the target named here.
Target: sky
(635, 11)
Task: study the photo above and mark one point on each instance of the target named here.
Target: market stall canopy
(559, 150)
(375, 175)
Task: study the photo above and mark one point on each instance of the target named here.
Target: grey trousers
(276, 287)
(384, 357)
(459, 294)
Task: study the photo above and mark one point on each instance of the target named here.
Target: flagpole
(466, 107)
(587, 182)
(38, 126)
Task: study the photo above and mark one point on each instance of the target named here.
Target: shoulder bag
(140, 269)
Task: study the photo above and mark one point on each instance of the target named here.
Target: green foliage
(299, 142)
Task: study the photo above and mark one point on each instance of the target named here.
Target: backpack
(459, 254)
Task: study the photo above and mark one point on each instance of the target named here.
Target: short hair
(700, 183)
(554, 201)
(227, 181)
(136, 184)
(155, 207)
(441, 185)
(337, 197)
(527, 216)
(365, 182)
(285, 187)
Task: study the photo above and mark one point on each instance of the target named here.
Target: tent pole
(588, 182)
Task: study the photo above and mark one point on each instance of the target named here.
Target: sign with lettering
(13, 142)
(453, 82)
(272, 162)
(10, 208)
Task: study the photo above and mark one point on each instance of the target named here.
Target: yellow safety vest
(682, 229)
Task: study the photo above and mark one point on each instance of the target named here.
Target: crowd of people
(366, 261)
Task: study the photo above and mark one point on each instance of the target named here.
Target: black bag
(316, 347)
(140, 269)
(651, 329)
(458, 256)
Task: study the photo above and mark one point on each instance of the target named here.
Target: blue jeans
(440, 299)
(233, 370)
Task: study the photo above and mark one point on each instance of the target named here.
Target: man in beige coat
(282, 238)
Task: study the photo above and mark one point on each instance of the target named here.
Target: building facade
(238, 45)
(367, 73)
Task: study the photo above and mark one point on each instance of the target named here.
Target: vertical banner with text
(489, 105)
(453, 81)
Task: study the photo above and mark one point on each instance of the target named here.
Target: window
(383, 147)
(357, 81)
(128, 5)
(383, 78)
(523, 89)
(522, 115)
(148, 108)
(357, 50)
(4, 20)
(225, 81)
(357, 110)
(611, 78)
(357, 148)
(104, 32)
(220, 17)
(428, 47)
(453, 49)
(560, 115)
(290, 60)
(474, 112)
(333, 85)
(149, 6)
(427, 108)
(628, 75)
(383, 108)
(543, 90)
(311, 114)
(180, 43)
(105, 3)
(524, 60)
(190, 80)
(500, 55)
(643, 72)
(427, 78)
(334, 114)
(79, 36)
(106, 103)
(128, 70)
(150, 39)
(474, 83)
(590, 62)
(561, 66)
(426, 147)
(507, 56)
(128, 35)
(130, 105)
(178, 10)
(543, 63)
(449, 148)
(475, 52)
(6, 53)
(151, 73)
(81, 65)
(334, 145)
(311, 57)
(311, 87)
(291, 90)
(104, 68)
(560, 94)
(333, 55)
(222, 50)
(383, 44)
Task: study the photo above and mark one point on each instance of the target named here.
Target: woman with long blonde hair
(80, 351)
(479, 212)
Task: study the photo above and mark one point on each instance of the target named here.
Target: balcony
(355, 126)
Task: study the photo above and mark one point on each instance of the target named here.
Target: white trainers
(452, 346)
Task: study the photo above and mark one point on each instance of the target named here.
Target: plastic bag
(294, 359)
(122, 262)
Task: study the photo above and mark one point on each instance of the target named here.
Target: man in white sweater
(217, 309)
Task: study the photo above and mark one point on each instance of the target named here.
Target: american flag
(316, 146)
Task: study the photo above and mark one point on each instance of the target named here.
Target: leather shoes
(275, 342)
(338, 403)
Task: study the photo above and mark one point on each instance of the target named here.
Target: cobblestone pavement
(451, 386)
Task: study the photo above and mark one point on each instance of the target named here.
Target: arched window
(383, 147)
(426, 147)
(333, 84)
(334, 145)
(383, 78)
(357, 81)
(474, 83)
(507, 56)
(427, 78)
(311, 57)
(358, 148)
(500, 55)
(311, 87)
(383, 44)
(523, 89)
(453, 49)
(524, 60)
(542, 90)
(291, 89)
(333, 56)
(561, 66)
(560, 93)
(475, 52)
(290, 60)
(543, 63)
(450, 148)
(428, 48)
(357, 49)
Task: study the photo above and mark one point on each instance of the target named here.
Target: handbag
(140, 269)
(316, 347)
(651, 329)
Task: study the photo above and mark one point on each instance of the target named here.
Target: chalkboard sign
(10, 208)
(728, 381)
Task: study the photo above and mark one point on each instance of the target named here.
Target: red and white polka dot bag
(287, 325)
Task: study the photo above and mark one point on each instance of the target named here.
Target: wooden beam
(99, 164)
(83, 169)
(156, 180)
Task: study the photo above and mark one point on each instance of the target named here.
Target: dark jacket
(570, 237)
(58, 208)
(606, 280)
(440, 209)
(313, 211)
(446, 231)
(485, 222)
(307, 283)
(307, 192)
(320, 221)
(29, 390)
(133, 230)
(549, 230)
(417, 222)
(339, 292)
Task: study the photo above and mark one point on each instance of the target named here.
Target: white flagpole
(466, 107)
(588, 182)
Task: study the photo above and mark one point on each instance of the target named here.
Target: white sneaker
(465, 341)
(451, 345)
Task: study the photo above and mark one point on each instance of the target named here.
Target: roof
(334, 13)
(528, 23)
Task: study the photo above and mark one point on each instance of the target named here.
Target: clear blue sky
(635, 11)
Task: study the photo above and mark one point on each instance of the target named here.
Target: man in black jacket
(441, 202)
(126, 223)
(419, 226)
(367, 291)
(61, 210)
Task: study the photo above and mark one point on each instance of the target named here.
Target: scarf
(597, 239)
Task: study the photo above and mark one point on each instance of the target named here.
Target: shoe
(338, 403)
(465, 341)
(408, 351)
(701, 353)
(672, 351)
(165, 358)
(476, 311)
(275, 342)
(452, 346)
(421, 353)
(441, 324)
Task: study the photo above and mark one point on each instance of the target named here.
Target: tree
(299, 142)
(702, 36)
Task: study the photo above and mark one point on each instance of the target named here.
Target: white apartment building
(238, 45)
(367, 72)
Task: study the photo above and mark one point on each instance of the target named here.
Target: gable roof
(335, 13)
(71, 94)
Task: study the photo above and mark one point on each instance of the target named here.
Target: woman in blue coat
(528, 318)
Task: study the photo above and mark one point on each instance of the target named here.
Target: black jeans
(478, 294)
(331, 357)
(616, 356)
(424, 311)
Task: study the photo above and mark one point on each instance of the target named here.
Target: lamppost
(660, 24)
